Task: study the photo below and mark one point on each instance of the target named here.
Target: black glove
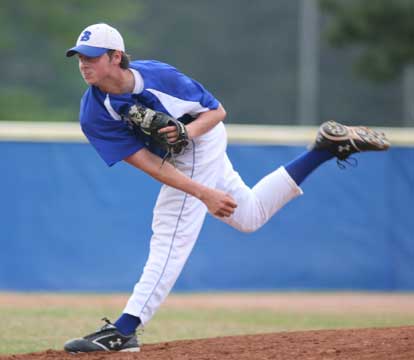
(150, 121)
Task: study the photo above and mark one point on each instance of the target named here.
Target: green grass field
(32, 323)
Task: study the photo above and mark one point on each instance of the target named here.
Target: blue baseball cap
(96, 40)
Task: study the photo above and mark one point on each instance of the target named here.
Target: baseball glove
(150, 122)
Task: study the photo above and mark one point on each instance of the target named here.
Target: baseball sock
(302, 166)
(127, 324)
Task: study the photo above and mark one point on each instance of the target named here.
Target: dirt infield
(362, 344)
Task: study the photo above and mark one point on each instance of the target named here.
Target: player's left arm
(205, 122)
(202, 124)
(206, 109)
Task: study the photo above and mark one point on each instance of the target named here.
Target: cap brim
(89, 51)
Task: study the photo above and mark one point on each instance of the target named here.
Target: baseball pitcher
(162, 122)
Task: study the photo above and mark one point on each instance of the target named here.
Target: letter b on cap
(85, 36)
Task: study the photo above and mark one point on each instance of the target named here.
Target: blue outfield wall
(70, 223)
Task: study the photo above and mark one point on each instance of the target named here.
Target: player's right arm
(218, 203)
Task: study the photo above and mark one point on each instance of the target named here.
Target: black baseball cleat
(343, 141)
(108, 338)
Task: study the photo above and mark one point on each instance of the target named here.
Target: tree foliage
(382, 29)
(38, 81)
(246, 55)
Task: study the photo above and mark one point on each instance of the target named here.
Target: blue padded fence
(70, 223)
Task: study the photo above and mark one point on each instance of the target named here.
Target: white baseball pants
(178, 217)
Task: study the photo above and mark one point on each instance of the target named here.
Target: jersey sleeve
(173, 91)
(188, 89)
(112, 139)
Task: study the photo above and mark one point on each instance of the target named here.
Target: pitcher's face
(95, 69)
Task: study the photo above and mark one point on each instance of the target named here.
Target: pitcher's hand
(218, 203)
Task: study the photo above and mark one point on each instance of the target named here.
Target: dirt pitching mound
(361, 344)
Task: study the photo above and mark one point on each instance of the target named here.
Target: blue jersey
(158, 86)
